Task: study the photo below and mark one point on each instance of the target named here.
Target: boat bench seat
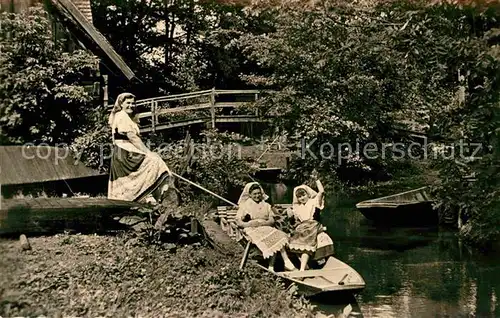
(227, 221)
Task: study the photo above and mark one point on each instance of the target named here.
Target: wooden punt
(55, 214)
(414, 207)
(335, 276)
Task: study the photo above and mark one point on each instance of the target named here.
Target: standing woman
(135, 170)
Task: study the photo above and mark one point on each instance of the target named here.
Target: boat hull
(420, 213)
(335, 278)
(38, 216)
(413, 207)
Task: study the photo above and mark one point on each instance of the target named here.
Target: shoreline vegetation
(110, 276)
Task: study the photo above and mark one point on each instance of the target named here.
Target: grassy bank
(90, 275)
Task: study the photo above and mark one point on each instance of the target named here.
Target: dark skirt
(305, 240)
(134, 175)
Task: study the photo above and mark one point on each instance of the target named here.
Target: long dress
(134, 174)
(268, 239)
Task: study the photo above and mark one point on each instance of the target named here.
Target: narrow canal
(409, 272)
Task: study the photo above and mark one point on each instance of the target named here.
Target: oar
(204, 189)
(247, 248)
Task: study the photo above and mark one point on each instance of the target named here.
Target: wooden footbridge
(213, 106)
(203, 107)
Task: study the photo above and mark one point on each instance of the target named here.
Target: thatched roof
(24, 165)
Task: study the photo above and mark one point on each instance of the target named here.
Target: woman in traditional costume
(136, 172)
(306, 204)
(256, 218)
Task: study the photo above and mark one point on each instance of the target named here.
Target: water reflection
(409, 272)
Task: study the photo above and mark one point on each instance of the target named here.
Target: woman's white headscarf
(245, 195)
(312, 194)
(118, 106)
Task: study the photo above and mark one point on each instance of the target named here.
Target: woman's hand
(314, 175)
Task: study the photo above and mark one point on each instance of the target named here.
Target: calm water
(409, 272)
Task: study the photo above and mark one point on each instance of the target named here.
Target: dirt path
(89, 275)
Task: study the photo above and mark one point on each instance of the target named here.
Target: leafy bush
(39, 80)
(215, 165)
(94, 145)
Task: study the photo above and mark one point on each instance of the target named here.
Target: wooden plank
(65, 203)
(173, 97)
(379, 204)
(315, 272)
(231, 104)
(175, 110)
(239, 119)
(329, 282)
(393, 196)
(35, 203)
(230, 92)
(245, 255)
(279, 205)
(175, 125)
(212, 108)
(53, 215)
(170, 98)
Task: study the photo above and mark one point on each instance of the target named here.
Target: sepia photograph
(250, 158)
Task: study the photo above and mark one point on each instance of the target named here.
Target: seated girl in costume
(256, 218)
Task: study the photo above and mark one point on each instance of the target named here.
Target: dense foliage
(470, 178)
(179, 45)
(39, 80)
(367, 72)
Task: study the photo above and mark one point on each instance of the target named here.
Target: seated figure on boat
(308, 237)
(136, 172)
(256, 218)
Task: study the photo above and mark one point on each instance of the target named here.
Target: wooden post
(194, 225)
(245, 255)
(212, 106)
(153, 116)
(105, 98)
(256, 97)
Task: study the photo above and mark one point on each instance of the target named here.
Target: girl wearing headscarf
(256, 218)
(306, 203)
(136, 171)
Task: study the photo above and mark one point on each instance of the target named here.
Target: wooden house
(72, 23)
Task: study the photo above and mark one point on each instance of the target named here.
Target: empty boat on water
(414, 207)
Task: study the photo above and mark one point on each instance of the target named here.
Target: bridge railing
(196, 107)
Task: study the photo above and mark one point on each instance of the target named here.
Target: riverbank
(90, 275)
